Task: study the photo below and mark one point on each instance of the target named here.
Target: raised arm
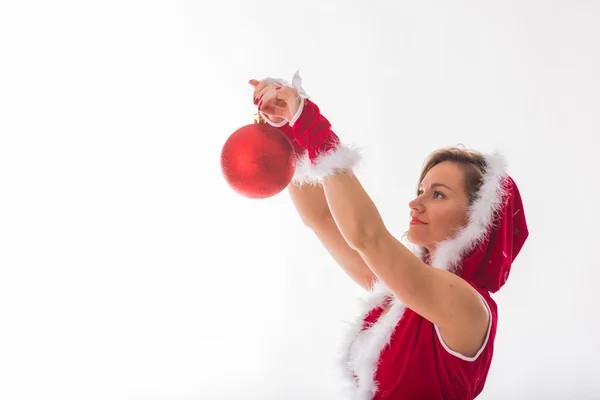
(312, 207)
(281, 106)
(439, 296)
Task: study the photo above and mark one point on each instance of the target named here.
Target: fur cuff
(342, 158)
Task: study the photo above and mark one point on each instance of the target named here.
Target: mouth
(417, 221)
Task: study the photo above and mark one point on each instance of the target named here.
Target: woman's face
(441, 205)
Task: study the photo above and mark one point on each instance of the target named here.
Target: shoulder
(485, 348)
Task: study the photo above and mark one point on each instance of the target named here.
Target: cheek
(447, 221)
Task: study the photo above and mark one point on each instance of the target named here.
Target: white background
(130, 270)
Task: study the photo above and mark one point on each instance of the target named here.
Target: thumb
(253, 82)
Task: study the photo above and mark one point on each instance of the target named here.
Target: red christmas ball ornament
(258, 160)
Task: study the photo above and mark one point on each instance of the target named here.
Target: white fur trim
(487, 336)
(342, 158)
(361, 357)
(360, 350)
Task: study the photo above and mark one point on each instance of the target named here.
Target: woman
(428, 326)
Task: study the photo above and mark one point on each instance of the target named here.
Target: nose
(416, 206)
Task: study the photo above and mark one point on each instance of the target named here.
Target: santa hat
(483, 251)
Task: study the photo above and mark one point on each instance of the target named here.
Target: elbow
(307, 222)
(364, 232)
(360, 243)
(365, 239)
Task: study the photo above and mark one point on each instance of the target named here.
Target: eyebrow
(433, 185)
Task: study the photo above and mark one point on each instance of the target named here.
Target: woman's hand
(276, 102)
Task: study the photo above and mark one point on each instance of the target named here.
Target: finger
(259, 90)
(262, 92)
(275, 109)
(253, 82)
(286, 93)
(270, 99)
(267, 95)
(273, 118)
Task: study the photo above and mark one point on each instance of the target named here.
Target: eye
(435, 194)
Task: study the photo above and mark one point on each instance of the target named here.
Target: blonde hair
(472, 162)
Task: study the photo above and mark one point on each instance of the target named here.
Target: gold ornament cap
(258, 119)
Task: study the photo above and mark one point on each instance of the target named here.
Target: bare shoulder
(468, 336)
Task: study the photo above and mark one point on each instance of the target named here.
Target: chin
(415, 238)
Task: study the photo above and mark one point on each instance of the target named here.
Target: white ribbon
(296, 84)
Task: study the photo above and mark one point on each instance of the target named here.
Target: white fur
(376, 296)
(362, 358)
(342, 158)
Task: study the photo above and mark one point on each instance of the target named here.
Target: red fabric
(312, 131)
(287, 130)
(416, 365)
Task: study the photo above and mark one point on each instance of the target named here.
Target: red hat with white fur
(484, 250)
